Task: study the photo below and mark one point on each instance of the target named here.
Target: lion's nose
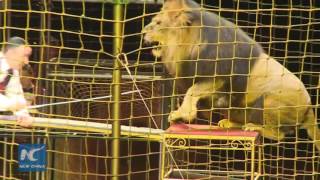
(146, 29)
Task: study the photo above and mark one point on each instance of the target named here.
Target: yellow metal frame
(169, 140)
(179, 141)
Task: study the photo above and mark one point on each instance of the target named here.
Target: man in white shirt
(15, 54)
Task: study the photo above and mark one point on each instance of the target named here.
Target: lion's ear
(185, 17)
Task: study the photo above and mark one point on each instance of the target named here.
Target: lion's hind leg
(312, 128)
(266, 131)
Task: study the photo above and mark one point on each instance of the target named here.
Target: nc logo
(32, 157)
(30, 154)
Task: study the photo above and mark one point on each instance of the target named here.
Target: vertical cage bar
(5, 153)
(116, 79)
(1, 21)
(7, 20)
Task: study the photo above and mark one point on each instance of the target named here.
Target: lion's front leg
(188, 110)
(227, 123)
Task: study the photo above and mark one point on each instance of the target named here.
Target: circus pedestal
(192, 151)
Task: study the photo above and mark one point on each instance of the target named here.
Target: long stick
(82, 126)
(77, 100)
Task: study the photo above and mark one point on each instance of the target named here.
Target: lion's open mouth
(157, 52)
(156, 48)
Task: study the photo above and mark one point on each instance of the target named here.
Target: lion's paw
(178, 115)
(225, 123)
(252, 127)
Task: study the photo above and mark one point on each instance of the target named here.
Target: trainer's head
(17, 52)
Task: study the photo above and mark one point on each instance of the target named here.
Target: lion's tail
(311, 125)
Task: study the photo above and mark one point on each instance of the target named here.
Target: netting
(73, 59)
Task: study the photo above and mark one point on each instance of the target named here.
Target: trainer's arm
(10, 103)
(14, 92)
(13, 98)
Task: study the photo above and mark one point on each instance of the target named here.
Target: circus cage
(102, 99)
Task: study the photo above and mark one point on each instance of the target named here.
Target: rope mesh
(72, 59)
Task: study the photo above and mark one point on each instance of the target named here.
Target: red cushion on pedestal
(196, 129)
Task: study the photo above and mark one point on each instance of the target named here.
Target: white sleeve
(14, 93)
(6, 102)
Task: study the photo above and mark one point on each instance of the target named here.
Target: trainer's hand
(24, 120)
